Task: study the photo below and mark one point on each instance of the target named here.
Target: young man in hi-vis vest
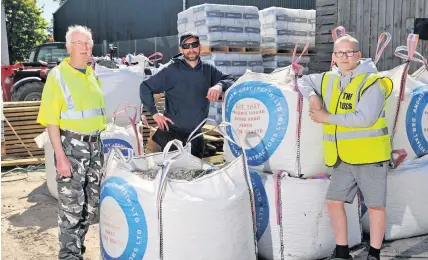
(350, 102)
(72, 108)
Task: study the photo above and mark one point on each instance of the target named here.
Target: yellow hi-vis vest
(354, 145)
(74, 116)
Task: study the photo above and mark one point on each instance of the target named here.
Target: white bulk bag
(421, 74)
(411, 132)
(294, 214)
(406, 201)
(264, 108)
(43, 141)
(123, 137)
(119, 86)
(209, 217)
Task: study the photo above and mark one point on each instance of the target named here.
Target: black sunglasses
(187, 45)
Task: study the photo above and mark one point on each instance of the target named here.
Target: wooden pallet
(229, 49)
(20, 129)
(287, 52)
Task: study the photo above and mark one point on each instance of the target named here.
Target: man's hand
(214, 93)
(162, 121)
(315, 102)
(63, 166)
(319, 115)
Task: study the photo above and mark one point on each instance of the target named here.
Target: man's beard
(194, 58)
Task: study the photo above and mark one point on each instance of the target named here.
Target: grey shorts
(346, 179)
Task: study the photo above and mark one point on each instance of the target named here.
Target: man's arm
(366, 112)
(310, 85)
(49, 116)
(154, 85)
(221, 79)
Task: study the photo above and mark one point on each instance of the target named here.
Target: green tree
(25, 26)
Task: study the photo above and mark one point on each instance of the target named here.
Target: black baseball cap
(186, 36)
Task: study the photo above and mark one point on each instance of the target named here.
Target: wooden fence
(366, 20)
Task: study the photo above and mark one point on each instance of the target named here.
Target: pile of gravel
(108, 63)
(175, 174)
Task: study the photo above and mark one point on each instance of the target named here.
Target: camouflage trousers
(78, 195)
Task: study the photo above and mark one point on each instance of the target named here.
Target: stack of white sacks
(228, 26)
(222, 25)
(282, 29)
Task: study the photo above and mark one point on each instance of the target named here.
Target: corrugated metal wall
(114, 20)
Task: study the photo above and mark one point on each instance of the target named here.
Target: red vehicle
(24, 81)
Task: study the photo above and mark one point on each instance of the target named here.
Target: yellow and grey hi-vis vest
(354, 145)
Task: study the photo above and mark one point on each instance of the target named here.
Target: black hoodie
(185, 90)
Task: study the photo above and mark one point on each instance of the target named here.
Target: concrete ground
(29, 225)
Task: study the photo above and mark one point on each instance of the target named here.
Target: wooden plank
(21, 104)
(28, 141)
(13, 114)
(396, 36)
(20, 109)
(374, 30)
(24, 127)
(328, 10)
(21, 118)
(381, 28)
(365, 36)
(25, 136)
(25, 123)
(325, 29)
(20, 132)
(388, 54)
(320, 3)
(344, 11)
(19, 162)
(327, 38)
(330, 19)
(354, 16)
(324, 47)
(360, 20)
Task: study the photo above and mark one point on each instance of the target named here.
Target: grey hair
(78, 29)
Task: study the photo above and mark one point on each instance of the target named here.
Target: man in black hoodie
(189, 85)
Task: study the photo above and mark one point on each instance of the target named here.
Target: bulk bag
(123, 136)
(186, 209)
(406, 110)
(422, 73)
(43, 141)
(119, 86)
(292, 214)
(406, 201)
(273, 119)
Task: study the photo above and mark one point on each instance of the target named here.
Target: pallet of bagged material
(228, 49)
(286, 52)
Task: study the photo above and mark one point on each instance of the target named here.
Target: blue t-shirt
(81, 70)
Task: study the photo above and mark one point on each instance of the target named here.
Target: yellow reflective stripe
(355, 134)
(64, 89)
(71, 113)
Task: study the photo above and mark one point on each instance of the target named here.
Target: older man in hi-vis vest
(72, 109)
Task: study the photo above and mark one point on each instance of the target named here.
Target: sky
(49, 7)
